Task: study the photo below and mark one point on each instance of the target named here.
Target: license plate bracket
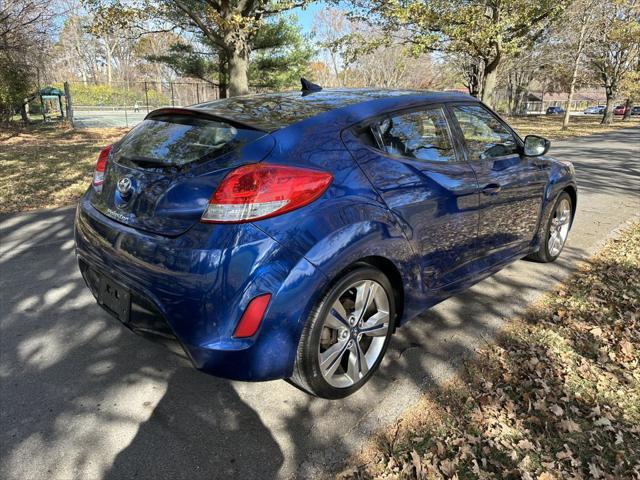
(114, 297)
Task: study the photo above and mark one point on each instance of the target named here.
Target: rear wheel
(556, 231)
(346, 335)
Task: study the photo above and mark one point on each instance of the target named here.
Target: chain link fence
(124, 104)
(577, 106)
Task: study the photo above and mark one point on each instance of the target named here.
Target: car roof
(273, 111)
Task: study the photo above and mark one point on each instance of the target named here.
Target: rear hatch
(161, 175)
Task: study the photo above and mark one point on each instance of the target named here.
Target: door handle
(492, 189)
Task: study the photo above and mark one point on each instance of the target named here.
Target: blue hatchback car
(288, 235)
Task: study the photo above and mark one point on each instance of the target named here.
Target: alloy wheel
(559, 227)
(354, 333)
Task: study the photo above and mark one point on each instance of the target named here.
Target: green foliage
(487, 32)
(186, 62)
(16, 84)
(109, 95)
(475, 27)
(281, 55)
(229, 28)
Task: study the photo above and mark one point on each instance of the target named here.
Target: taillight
(258, 191)
(101, 166)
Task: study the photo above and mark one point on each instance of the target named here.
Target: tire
(344, 337)
(557, 227)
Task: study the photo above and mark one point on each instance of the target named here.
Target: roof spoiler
(309, 87)
(197, 112)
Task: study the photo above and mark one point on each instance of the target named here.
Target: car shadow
(200, 428)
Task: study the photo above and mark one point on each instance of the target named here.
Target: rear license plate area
(111, 295)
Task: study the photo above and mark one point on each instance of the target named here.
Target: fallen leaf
(602, 422)
(619, 438)
(596, 332)
(556, 410)
(526, 445)
(627, 347)
(417, 464)
(570, 426)
(595, 471)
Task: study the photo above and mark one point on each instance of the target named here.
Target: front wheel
(556, 231)
(346, 335)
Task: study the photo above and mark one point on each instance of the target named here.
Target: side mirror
(534, 146)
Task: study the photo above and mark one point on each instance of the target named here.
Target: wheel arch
(378, 245)
(573, 194)
(389, 269)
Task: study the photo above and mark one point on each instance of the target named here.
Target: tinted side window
(423, 135)
(484, 135)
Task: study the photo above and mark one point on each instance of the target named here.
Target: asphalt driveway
(82, 397)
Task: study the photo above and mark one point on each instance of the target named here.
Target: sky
(305, 17)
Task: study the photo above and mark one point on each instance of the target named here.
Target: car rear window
(181, 140)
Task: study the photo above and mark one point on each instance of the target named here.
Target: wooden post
(44, 116)
(67, 94)
(146, 95)
(173, 103)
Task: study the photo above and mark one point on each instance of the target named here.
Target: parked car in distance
(635, 110)
(620, 110)
(596, 110)
(555, 110)
(288, 235)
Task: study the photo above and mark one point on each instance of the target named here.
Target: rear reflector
(252, 316)
(257, 191)
(101, 166)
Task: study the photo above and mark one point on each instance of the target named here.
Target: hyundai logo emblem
(124, 186)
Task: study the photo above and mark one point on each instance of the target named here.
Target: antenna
(309, 87)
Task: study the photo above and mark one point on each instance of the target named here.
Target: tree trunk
(490, 77)
(109, 71)
(572, 87)
(512, 92)
(574, 73)
(474, 86)
(222, 75)
(23, 113)
(238, 69)
(607, 118)
(473, 75)
(627, 112)
(334, 64)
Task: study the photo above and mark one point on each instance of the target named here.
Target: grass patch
(557, 396)
(550, 126)
(48, 165)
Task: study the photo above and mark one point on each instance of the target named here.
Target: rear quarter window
(181, 140)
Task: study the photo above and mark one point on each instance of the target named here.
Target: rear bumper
(195, 287)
